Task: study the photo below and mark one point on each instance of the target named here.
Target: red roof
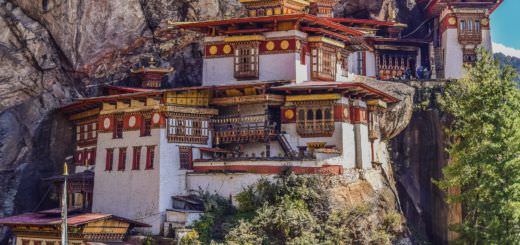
(367, 22)
(356, 86)
(44, 219)
(266, 19)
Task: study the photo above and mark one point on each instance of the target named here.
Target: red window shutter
(93, 157)
(109, 159)
(302, 56)
(122, 159)
(150, 152)
(136, 158)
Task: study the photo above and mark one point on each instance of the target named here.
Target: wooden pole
(64, 203)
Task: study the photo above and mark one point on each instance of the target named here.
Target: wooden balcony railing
(242, 129)
(315, 128)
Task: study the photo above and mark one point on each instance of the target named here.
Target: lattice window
(246, 61)
(470, 29)
(188, 129)
(469, 56)
(185, 157)
(118, 128)
(146, 127)
(323, 61)
(315, 120)
(86, 133)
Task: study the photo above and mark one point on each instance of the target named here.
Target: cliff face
(53, 51)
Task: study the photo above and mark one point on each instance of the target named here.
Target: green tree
(485, 153)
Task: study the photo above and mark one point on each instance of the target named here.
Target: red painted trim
(496, 6)
(326, 32)
(263, 169)
(275, 18)
(288, 120)
(364, 63)
(365, 22)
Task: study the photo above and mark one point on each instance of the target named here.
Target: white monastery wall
(371, 64)
(132, 194)
(257, 148)
(172, 177)
(295, 140)
(486, 40)
(303, 72)
(453, 63)
(348, 145)
(223, 184)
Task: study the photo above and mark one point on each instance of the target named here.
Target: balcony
(243, 129)
(315, 128)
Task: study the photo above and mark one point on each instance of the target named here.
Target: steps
(289, 151)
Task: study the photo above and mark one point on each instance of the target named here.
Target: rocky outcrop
(418, 156)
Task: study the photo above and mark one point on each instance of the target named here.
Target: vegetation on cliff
(294, 210)
(484, 173)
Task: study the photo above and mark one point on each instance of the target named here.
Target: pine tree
(485, 153)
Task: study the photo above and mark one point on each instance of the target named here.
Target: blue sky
(505, 28)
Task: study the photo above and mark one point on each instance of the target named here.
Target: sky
(505, 28)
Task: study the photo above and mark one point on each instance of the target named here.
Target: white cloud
(500, 48)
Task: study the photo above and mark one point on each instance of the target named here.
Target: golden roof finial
(65, 169)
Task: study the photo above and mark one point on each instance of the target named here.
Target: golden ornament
(452, 21)
(226, 49)
(284, 44)
(289, 114)
(213, 50)
(269, 45)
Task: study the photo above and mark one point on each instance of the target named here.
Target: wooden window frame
(323, 62)
(246, 61)
(109, 159)
(150, 157)
(146, 127)
(315, 120)
(186, 157)
(184, 128)
(118, 128)
(121, 160)
(136, 158)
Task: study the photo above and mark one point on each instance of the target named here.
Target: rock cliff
(53, 51)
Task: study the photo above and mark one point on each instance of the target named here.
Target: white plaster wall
(371, 64)
(303, 72)
(453, 66)
(295, 140)
(258, 148)
(132, 194)
(226, 185)
(271, 67)
(348, 145)
(486, 40)
(366, 148)
(172, 178)
(216, 71)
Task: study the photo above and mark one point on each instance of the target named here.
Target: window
(50, 243)
(45, 5)
(185, 157)
(37, 242)
(146, 127)
(150, 155)
(109, 160)
(122, 159)
(323, 61)
(361, 63)
(118, 129)
(136, 158)
(246, 61)
(188, 129)
(315, 121)
(26, 242)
